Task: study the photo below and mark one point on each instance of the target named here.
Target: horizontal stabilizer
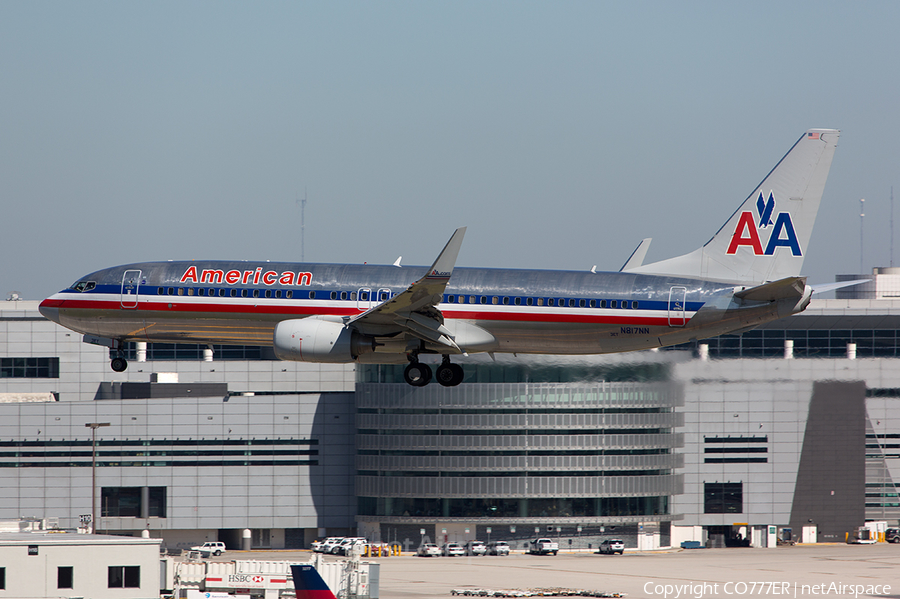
(789, 288)
(840, 285)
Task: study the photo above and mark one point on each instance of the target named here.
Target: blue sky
(560, 133)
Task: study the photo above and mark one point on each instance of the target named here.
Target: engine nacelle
(319, 339)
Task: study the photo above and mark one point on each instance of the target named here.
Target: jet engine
(320, 339)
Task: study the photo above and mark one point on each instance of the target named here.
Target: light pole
(94, 426)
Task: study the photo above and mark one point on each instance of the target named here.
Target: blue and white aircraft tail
(309, 584)
(766, 238)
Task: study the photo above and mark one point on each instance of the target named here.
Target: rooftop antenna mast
(862, 214)
(892, 226)
(302, 204)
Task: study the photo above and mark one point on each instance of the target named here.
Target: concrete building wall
(32, 562)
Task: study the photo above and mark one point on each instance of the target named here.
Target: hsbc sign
(247, 581)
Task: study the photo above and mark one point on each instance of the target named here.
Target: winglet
(637, 256)
(309, 584)
(443, 266)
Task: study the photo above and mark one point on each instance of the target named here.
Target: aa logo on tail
(781, 234)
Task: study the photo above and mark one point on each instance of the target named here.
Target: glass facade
(811, 343)
(518, 451)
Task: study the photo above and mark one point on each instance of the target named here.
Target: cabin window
(634, 305)
(518, 301)
(234, 293)
(180, 291)
(593, 303)
(190, 291)
(471, 299)
(449, 299)
(312, 295)
(602, 303)
(551, 302)
(353, 296)
(256, 293)
(334, 295)
(495, 300)
(483, 299)
(540, 301)
(344, 295)
(528, 301)
(159, 291)
(268, 293)
(613, 304)
(289, 294)
(505, 301)
(278, 293)
(222, 292)
(581, 303)
(201, 291)
(383, 296)
(571, 303)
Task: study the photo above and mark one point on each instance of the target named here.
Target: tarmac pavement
(822, 570)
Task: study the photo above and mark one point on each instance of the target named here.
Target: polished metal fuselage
(526, 311)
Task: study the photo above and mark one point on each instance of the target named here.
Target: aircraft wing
(415, 309)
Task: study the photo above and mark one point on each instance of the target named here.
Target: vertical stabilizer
(766, 238)
(308, 584)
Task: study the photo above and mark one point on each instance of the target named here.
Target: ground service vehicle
(892, 535)
(612, 546)
(543, 547)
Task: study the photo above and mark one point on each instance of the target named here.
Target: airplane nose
(49, 309)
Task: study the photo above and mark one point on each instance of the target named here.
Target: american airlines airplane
(746, 275)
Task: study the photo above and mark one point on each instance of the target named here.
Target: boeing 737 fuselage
(747, 274)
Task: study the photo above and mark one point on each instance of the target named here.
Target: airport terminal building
(791, 426)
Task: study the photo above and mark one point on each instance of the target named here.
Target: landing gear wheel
(417, 374)
(450, 375)
(118, 364)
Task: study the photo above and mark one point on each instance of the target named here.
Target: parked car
(343, 548)
(543, 547)
(329, 544)
(892, 535)
(318, 546)
(429, 550)
(498, 548)
(476, 548)
(612, 546)
(210, 548)
(452, 550)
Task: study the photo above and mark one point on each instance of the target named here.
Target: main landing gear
(419, 375)
(117, 357)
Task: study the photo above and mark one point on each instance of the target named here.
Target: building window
(723, 498)
(124, 577)
(127, 502)
(29, 368)
(2, 578)
(64, 578)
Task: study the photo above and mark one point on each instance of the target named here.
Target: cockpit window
(82, 286)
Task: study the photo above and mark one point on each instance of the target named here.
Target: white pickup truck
(210, 548)
(543, 547)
